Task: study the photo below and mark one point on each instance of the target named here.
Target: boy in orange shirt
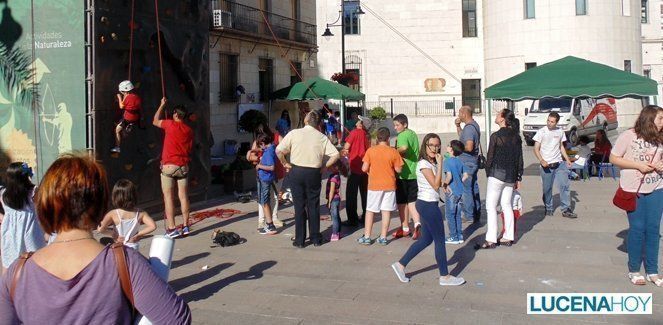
(382, 163)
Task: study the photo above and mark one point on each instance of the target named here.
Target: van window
(577, 106)
(547, 105)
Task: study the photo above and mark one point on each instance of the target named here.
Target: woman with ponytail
(504, 168)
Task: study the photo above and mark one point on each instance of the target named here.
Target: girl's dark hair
(264, 139)
(604, 137)
(18, 186)
(510, 120)
(124, 195)
(263, 128)
(645, 128)
(424, 142)
(286, 116)
(342, 168)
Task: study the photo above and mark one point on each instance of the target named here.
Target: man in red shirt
(355, 147)
(175, 159)
(130, 103)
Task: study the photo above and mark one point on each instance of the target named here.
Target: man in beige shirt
(308, 148)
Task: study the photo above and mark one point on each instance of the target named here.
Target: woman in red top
(602, 148)
(175, 158)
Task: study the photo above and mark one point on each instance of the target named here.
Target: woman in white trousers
(504, 168)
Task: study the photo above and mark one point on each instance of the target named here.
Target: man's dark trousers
(305, 184)
(356, 182)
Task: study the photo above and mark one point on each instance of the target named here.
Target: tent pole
(488, 124)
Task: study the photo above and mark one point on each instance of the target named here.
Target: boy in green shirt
(407, 145)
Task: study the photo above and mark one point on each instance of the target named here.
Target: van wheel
(529, 142)
(573, 137)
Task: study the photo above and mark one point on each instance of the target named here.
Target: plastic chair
(606, 167)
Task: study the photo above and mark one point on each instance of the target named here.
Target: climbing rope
(131, 37)
(163, 85)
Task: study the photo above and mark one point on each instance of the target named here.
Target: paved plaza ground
(267, 281)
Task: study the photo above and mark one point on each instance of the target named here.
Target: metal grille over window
(227, 77)
(469, 18)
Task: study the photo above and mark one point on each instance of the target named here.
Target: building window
(471, 93)
(644, 11)
(353, 66)
(228, 77)
(627, 65)
(351, 18)
(265, 78)
(530, 65)
(469, 18)
(581, 7)
(529, 9)
(295, 72)
(626, 7)
(647, 73)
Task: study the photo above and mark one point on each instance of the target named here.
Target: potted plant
(377, 115)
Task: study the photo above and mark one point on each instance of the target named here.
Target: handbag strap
(17, 273)
(643, 175)
(478, 137)
(123, 273)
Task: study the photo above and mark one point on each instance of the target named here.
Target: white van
(578, 116)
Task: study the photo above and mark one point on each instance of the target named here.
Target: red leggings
(516, 216)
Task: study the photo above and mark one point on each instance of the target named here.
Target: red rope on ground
(219, 213)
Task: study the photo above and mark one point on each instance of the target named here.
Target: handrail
(235, 16)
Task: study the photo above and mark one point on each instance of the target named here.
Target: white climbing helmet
(126, 86)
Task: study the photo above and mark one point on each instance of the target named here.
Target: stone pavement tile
(524, 319)
(213, 317)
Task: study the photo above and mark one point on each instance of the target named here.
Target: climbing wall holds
(151, 145)
(193, 117)
(114, 36)
(104, 20)
(102, 39)
(128, 167)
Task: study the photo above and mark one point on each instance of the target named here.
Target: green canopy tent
(570, 77)
(318, 88)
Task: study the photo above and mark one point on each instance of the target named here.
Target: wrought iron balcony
(229, 16)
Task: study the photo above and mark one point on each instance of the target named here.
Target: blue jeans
(432, 230)
(264, 190)
(471, 195)
(335, 216)
(559, 175)
(644, 232)
(452, 211)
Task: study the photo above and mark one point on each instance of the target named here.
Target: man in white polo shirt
(549, 150)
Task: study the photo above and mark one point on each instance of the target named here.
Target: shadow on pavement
(254, 273)
(188, 260)
(185, 282)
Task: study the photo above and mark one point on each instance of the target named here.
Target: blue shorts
(264, 191)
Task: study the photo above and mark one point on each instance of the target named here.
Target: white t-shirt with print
(426, 191)
(550, 141)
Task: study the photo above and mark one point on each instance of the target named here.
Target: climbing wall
(184, 26)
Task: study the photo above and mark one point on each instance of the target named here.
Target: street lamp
(328, 35)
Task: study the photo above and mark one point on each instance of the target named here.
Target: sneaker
(185, 231)
(452, 241)
(261, 224)
(451, 281)
(268, 230)
(335, 236)
(400, 273)
(401, 233)
(173, 233)
(460, 240)
(364, 241)
(549, 213)
(382, 241)
(278, 223)
(115, 149)
(569, 214)
(417, 231)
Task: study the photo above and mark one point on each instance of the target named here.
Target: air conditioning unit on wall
(222, 18)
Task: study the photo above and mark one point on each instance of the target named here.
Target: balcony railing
(229, 15)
